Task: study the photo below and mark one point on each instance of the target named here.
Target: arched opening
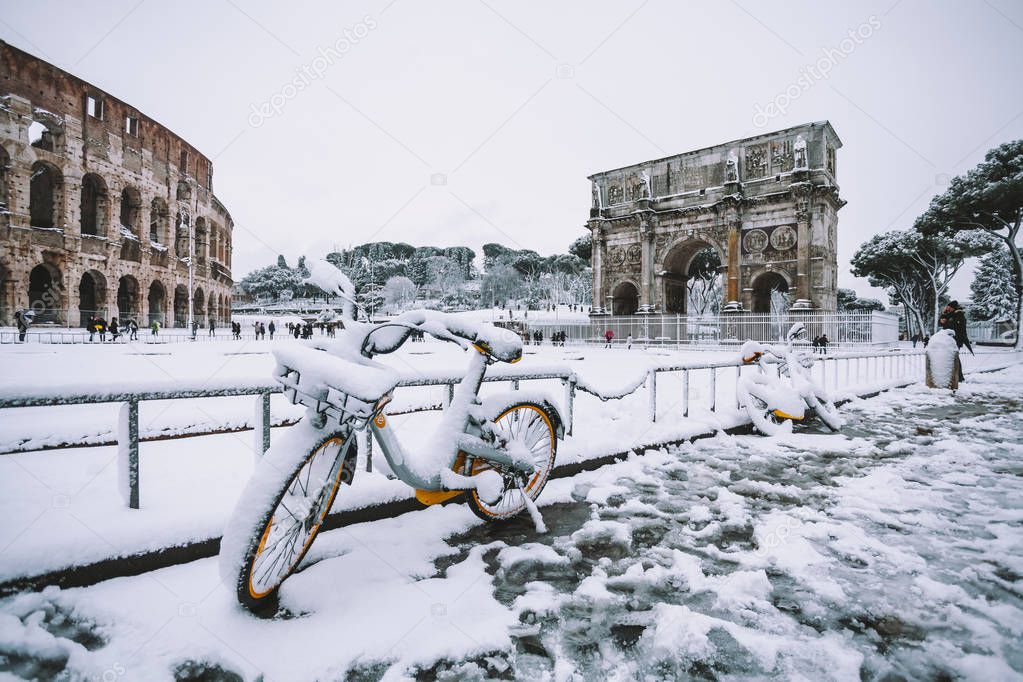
(180, 305)
(692, 279)
(44, 194)
(198, 306)
(181, 227)
(211, 308)
(5, 164)
(158, 221)
(625, 299)
(44, 293)
(92, 296)
(157, 301)
(45, 133)
(127, 299)
(200, 240)
(770, 293)
(94, 204)
(131, 209)
(184, 193)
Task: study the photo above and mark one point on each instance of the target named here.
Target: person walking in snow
(628, 342)
(133, 330)
(115, 332)
(823, 343)
(271, 328)
(608, 336)
(154, 328)
(213, 327)
(101, 329)
(21, 321)
(195, 328)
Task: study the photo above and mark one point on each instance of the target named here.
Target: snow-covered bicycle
(771, 402)
(498, 451)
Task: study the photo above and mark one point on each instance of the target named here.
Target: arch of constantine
(766, 206)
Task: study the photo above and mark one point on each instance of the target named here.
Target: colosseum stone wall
(101, 207)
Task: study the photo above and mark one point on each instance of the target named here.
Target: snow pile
(941, 358)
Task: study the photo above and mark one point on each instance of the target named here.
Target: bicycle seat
(500, 344)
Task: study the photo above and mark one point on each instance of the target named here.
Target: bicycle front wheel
(300, 495)
(827, 412)
(527, 427)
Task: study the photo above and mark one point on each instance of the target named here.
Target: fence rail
(873, 328)
(831, 371)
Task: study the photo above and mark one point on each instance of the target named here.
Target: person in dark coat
(115, 331)
(271, 328)
(21, 320)
(133, 330)
(101, 329)
(954, 317)
(823, 343)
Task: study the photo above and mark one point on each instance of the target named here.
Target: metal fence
(873, 328)
(896, 367)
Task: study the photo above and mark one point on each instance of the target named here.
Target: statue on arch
(732, 167)
(799, 153)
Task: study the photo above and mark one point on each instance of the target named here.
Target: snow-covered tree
(885, 261)
(399, 293)
(994, 296)
(988, 198)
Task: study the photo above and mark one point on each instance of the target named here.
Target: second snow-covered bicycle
(771, 402)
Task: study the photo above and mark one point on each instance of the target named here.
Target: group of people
(558, 338)
(820, 344)
(609, 337)
(98, 326)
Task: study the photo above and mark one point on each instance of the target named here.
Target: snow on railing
(896, 367)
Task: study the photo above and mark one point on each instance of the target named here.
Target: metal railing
(900, 367)
(873, 328)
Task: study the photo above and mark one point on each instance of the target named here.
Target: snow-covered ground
(62, 507)
(889, 551)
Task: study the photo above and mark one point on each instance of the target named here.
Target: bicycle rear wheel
(526, 426)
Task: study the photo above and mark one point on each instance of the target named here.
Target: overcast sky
(512, 105)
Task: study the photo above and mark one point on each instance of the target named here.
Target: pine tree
(992, 289)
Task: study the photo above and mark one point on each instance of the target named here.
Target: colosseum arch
(201, 239)
(128, 298)
(131, 210)
(211, 308)
(180, 305)
(95, 205)
(92, 296)
(181, 227)
(199, 304)
(159, 222)
(184, 192)
(157, 300)
(46, 293)
(7, 295)
(45, 195)
(46, 132)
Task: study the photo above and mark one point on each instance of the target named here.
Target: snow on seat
(319, 370)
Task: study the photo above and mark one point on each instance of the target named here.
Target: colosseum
(103, 211)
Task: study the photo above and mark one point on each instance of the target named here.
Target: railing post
(685, 393)
(738, 375)
(713, 389)
(451, 394)
(569, 403)
(651, 378)
(261, 432)
(128, 452)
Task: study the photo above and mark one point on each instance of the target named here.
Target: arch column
(646, 287)
(732, 302)
(803, 300)
(597, 252)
